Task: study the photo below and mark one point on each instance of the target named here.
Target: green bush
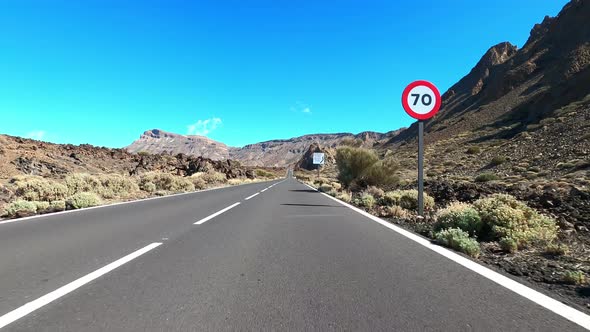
(508, 244)
(366, 200)
(574, 277)
(35, 188)
(82, 200)
(504, 217)
(459, 215)
(407, 199)
(485, 177)
(57, 206)
(165, 182)
(555, 249)
(82, 182)
(459, 240)
(263, 174)
(116, 185)
(473, 150)
(20, 207)
(362, 167)
(353, 162)
(498, 160)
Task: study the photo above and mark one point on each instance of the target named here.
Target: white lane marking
(122, 203)
(541, 299)
(247, 198)
(217, 213)
(263, 190)
(56, 294)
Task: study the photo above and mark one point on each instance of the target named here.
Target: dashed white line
(216, 214)
(247, 198)
(56, 294)
(541, 299)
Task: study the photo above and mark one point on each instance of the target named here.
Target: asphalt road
(288, 258)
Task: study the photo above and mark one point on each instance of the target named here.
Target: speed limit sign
(421, 100)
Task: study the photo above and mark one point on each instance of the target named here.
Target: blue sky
(102, 72)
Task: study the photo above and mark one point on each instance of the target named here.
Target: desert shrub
(498, 160)
(376, 192)
(82, 200)
(332, 193)
(473, 150)
(459, 240)
(337, 186)
(143, 153)
(557, 249)
(459, 215)
(213, 177)
(324, 188)
(344, 196)
(82, 182)
(365, 200)
(199, 183)
(41, 206)
(485, 177)
(362, 167)
(397, 212)
(407, 199)
(35, 188)
(263, 174)
(20, 207)
(57, 205)
(165, 182)
(508, 244)
(504, 217)
(574, 277)
(352, 142)
(115, 185)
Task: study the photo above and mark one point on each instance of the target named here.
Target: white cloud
(37, 134)
(306, 110)
(203, 127)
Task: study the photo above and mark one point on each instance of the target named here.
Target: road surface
(284, 258)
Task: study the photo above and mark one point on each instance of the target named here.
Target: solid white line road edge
(541, 299)
(216, 214)
(122, 203)
(263, 190)
(251, 196)
(56, 294)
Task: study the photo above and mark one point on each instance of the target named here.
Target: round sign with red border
(421, 100)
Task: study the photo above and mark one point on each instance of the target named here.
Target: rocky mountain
(158, 141)
(274, 153)
(512, 88)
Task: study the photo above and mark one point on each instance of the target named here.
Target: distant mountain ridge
(272, 153)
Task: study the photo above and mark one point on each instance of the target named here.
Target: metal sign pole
(420, 168)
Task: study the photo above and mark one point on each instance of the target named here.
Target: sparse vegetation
(459, 240)
(459, 215)
(20, 207)
(473, 150)
(324, 188)
(407, 199)
(498, 160)
(82, 200)
(485, 177)
(155, 181)
(344, 196)
(35, 188)
(366, 200)
(509, 220)
(557, 249)
(574, 277)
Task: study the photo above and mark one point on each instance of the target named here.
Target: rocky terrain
(22, 158)
(274, 153)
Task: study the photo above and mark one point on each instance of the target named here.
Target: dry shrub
(36, 188)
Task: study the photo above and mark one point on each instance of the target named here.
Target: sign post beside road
(421, 100)
(318, 159)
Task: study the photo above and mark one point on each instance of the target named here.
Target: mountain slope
(275, 153)
(512, 87)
